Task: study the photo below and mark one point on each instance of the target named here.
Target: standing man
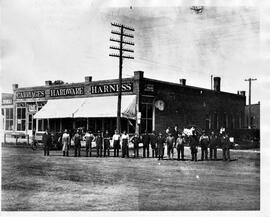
(145, 141)
(77, 144)
(136, 140)
(160, 145)
(227, 147)
(89, 137)
(180, 146)
(170, 143)
(116, 143)
(98, 141)
(193, 143)
(204, 142)
(175, 133)
(106, 142)
(124, 141)
(213, 145)
(65, 143)
(223, 145)
(47, 142)
(153, 142)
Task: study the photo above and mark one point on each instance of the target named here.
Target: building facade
(147, 105)
(254, 110)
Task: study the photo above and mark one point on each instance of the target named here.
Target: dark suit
(160, 146)
(99, 146)
(47, 141)
(145, 141)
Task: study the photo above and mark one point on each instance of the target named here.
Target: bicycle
(34, 144)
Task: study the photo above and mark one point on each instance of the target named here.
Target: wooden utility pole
(249, 100)
(121, 41)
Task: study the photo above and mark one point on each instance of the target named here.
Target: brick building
(254, 110)
(147, 104)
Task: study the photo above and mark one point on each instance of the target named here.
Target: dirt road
(31, 181)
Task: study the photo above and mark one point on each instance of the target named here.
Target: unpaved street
(31, 181)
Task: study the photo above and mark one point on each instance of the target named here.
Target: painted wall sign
(32, 108)
(30, 94)
(71, 91)
(110, 88)
(7, 101)
(149, 87)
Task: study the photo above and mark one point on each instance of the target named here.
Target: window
(147, 117)
(21, 120)
(42, 123)
(8, 114)
(30, 121)
(215, 124)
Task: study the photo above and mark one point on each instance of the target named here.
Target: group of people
(172, 139)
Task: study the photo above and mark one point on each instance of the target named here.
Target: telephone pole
(249, 100)
(121, 41)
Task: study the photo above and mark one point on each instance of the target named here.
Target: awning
(105, 106)
(59, 108)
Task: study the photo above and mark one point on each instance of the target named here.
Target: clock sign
(160, 105)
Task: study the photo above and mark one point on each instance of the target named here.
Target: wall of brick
(185, 105)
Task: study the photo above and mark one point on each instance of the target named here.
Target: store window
(147, 117)
(8, 114)
(21, 118)
(42, 123)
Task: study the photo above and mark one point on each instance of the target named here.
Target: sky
(67, 40)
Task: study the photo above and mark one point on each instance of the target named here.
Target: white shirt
(125, 136)
(116, 137)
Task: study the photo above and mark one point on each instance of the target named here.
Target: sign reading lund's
(110, 88)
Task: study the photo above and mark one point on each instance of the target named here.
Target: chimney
(217, 84)
(88, 79)
(15, 86)
(138, 74)
(243, 93)
(182, 82)
(48, 83)
(238, 92)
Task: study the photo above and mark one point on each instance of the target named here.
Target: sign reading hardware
(71, 91)
(110, 88)
(30, 94)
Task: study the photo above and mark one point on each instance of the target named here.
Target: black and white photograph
(134, 106)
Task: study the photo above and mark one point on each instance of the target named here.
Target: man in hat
(98, 141)
(145, 141)
(213, 140)
(77, 143)
(193, 143)
(47, 141)
(153, 142)
(89, 137)
(65, 142)
(116, 143)
(124, 141)
(136, 140)
(160, 145)
(180, 146)
(106, 142)
(170, 144)
(204, 142)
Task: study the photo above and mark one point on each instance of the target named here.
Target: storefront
(147, 105)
